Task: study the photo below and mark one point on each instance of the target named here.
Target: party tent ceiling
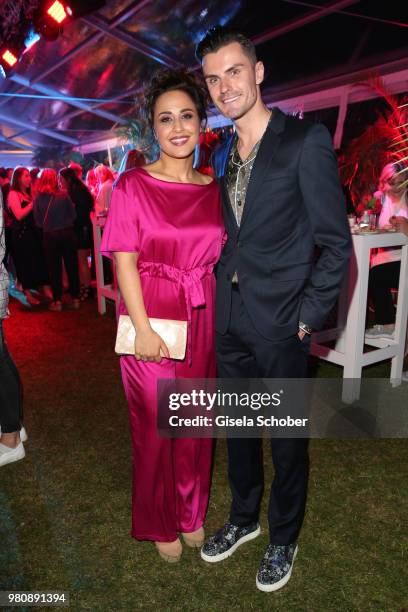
(80, 88)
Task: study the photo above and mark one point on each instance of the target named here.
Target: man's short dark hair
(219, 37)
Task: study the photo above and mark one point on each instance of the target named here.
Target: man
(281, 199)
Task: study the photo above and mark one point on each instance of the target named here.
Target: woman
(165, 231)
(25, 239)
(386, 263)
(92, 182)
(83, 201)
(105, 180)
(54, 213)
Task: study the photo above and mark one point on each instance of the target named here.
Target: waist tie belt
(189, 280)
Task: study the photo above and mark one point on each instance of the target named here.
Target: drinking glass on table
(364, 220)
(373, 221)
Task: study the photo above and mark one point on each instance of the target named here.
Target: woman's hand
(149, 346)
(148, 343)
(400, 224)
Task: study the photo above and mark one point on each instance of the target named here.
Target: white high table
(349, 334)
(104, 290)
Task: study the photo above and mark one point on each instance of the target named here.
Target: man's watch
(304, 327)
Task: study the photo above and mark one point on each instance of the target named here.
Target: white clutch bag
(174, 334)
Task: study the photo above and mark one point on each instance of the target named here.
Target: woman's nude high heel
(170, 551)
(195, 539)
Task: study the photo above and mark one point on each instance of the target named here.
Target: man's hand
(301, 334)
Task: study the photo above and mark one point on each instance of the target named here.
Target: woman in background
(83, 201)
(92, 182)
(25, 239)
(105, 180)
(386, 263)
(54, 213)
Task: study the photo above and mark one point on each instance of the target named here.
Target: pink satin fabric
(178, 231)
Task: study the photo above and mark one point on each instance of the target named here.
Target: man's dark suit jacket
(294, 203)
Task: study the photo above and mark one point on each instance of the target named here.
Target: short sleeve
(121, 231)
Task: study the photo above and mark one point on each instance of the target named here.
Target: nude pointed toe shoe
(195, 539)
(170, 551)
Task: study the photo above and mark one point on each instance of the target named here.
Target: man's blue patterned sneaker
(276, 567)
(226, 541)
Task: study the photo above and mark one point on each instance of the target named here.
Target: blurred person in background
(34, 172)
(105, 181)
(77, 168)
(25, 239)
(132, 159)
(5, 188)
(84, 202)
(208, 144)
(54, 213)
(11, 432)
(4, 184)
(92, 182)
(401, 225)
(386, 262)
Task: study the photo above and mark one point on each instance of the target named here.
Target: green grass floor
(65, 509)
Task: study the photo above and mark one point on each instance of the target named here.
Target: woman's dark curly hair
(169, 79)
